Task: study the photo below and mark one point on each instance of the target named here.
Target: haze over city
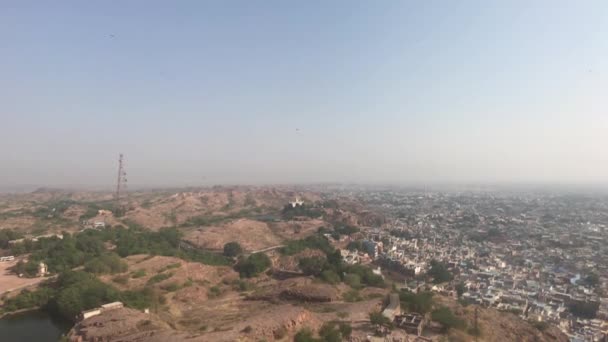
(198, 93)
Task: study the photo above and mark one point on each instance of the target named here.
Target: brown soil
(251, 235)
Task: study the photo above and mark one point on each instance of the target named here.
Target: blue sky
(209, 92)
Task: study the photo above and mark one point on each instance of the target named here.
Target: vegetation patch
(159, 277)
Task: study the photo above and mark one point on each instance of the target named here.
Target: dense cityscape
(540, 256)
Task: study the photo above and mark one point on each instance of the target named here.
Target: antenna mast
(121, 182)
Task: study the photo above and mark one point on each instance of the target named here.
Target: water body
(32, 326)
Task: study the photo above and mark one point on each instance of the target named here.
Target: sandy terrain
(252, 235)
(10, 282)
(152, 266)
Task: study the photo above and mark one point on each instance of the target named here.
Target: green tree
(460, 289)
(592, 279)
(377, 318)
(232, 249)
(304, 335)
(330, 333)
(447, 319)
(439, 272)
(313, 265)
(416, 302)
(345, 329)
(253, 265)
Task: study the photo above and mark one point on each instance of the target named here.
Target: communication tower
(121, 182)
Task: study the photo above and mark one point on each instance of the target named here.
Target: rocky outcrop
(309, 293)
(120, 324)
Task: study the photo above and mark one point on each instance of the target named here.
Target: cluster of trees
(377, 318)
(7, 235)
(59, 254)
(312, 242)
(439, 272)
(355, 245)
(592, 279)
(108, 263)
(93, 210)
(253, 265)
(346, 230)
(232, 249)
(584, 309)
(74, 292)
(329, 332)
(447, 319)
(416, 302)
(331, 269)
(89, 248)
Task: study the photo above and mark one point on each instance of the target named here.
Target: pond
(32, 326)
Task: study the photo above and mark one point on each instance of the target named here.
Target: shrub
(353, 280)
(352, 296)
(304, 335)
(330, 277)
(107, 263)
(138, 274)
(253, 265)
(159, 277)
(417, 302)
(313, 265)
(311, 242)
(445, 316)
(121, 279)
(232, 249)
(214, 291)
(376, 317)
(280, 333)
(171, 287)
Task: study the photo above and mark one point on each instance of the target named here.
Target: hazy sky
(209, 92)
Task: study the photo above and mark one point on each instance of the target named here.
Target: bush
(280, 333)
(353, 280)
(214, 291)
(329, 333)
(366, 275)
(416, 302)
(171, 287)
(439, 272)
(80, 291)
(345, 329)
(304, 335)
(138, 274)
(311, 242)
(121, 280)
(243, 286)
(253, 265)
(313, 265)
(7, 235)
(232, 249)
(107, 263)
(377, 318)
(447, 319)
(352, 296)
(330, 276)
(159, 277)
(584, 309)
(355, 246)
